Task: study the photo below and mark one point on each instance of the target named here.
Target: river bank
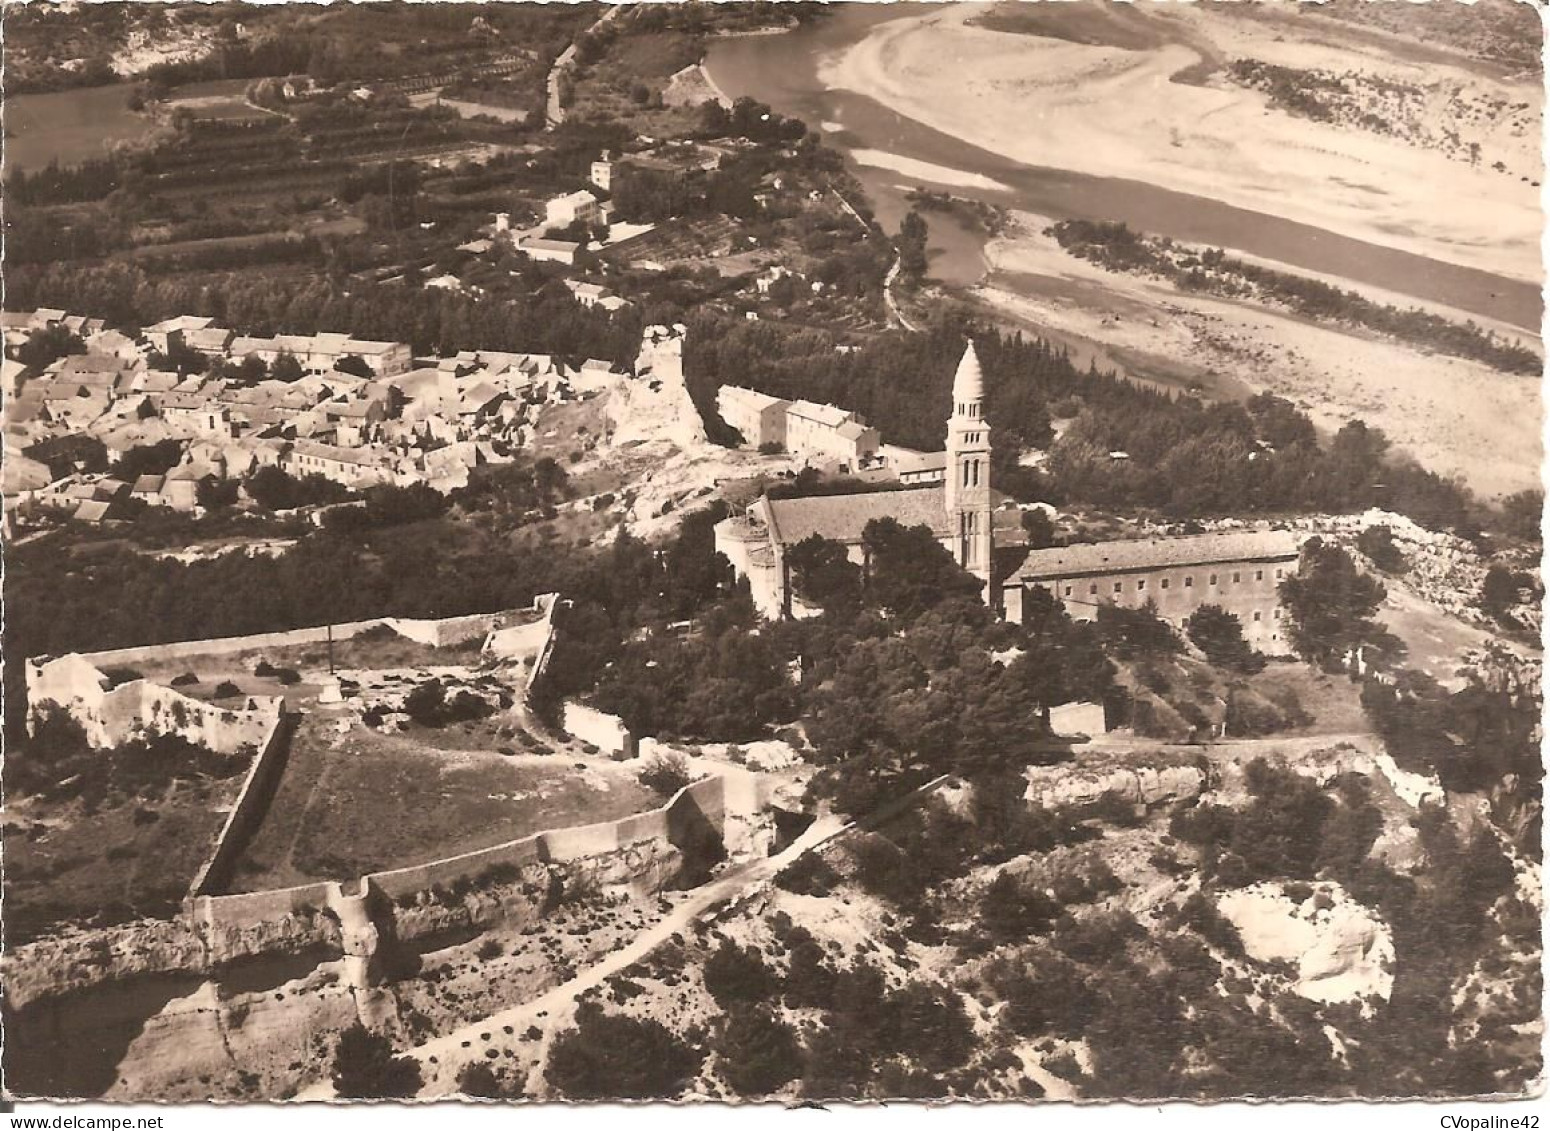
(878, 140)
(1111, 112)
(1226, 349)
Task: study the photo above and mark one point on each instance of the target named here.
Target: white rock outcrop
(1342, 950)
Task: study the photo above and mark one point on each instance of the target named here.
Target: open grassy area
(130, 861)
(362, 801)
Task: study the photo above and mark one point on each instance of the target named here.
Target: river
(782, 71)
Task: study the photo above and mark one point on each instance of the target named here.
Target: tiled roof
(1159, 553)
(752, 398)
(824, 414)
(842, 518)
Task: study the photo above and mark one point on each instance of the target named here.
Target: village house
(821, 433)
(915, 468)
(593, 295)
(758, 417)
(563, 211)
(550, 251)
(350, 466)
(171, 333)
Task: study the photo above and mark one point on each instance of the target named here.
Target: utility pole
(330, 649)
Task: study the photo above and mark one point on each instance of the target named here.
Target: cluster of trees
(366, 1068)
(124, 294)
(1118, 248)
(1186, 457)
(274, 490)
(1476, 739)
(609, 1056)
(46, 346)
(430, 706)
(911, 245)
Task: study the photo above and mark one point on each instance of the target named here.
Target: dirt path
(558, 1004)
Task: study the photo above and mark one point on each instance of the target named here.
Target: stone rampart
(633, 849)
(248, 811)
(436, 632)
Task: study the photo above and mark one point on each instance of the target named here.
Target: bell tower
(968, 469)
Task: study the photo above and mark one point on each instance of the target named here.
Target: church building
(957, 510)
(1240, 571)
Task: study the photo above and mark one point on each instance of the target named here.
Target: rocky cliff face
(1053, 787)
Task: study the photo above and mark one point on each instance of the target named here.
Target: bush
(666, 773)
(1377, 543)
(287, 676)
(808, 875)
(758, 1053)
(226, 689)
(610, 1057)
(365, 1067)
(735, 974)
(187, 679)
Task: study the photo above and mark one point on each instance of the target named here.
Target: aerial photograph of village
(772, 551)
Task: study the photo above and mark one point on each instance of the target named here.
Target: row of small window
(1189, 582)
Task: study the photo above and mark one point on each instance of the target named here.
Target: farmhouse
(550, 251)
(563, 211)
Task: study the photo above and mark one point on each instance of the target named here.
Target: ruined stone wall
(607, 732)
(110, 717)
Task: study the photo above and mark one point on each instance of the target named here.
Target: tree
(46, 346)
(912, 245)
(1219, 634)
(1499, 592)
(909, 571)
(758, 1053)
(1330, 604)
(1039, 528)
(354, 365)
(479, 1081)
(365, 1067)
(1377, 543)
(736, 974)
(612, 1057)
(1521, 514)
(823, 575)
(1133, 633)
(215, 494)
(666, 774)
(286, 368)
(148, 459)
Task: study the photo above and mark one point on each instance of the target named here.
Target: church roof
(969, 381)
(1158, 553)
(842, 518)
